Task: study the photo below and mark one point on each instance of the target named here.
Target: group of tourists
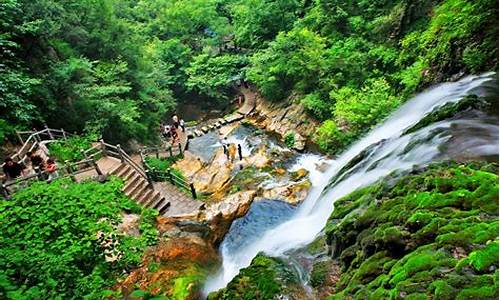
(170, 131)
(47, 169)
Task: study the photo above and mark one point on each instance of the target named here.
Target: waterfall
(384, 149)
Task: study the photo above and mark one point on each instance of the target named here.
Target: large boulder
(215, 175)
(220, 215)
(292, 193)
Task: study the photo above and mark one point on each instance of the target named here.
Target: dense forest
(116, 67)
(419, 228)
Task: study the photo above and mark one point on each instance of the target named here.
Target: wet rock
(299, 174)
(189, 165)
(175, 265)
(293, 193)
(284, 117)
(259, 160)
(219, 215)
(265, 278)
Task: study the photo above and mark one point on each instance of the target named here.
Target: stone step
(150, 199)
(141, 184)
(204, 129)
(155, 201)
(131, 183)
(145, 197)
(117, 169)
(163, 206)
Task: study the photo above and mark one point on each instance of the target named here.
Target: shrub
(70, 148)
(316, 106)
(362, 109)
(290, 140)
(330, 138)
(49, 244)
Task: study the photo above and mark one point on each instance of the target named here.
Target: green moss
(265, 278)
(482, 259)
(319, 272)
(407, 238)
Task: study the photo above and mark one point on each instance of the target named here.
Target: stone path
(181, 203)
(247, 108)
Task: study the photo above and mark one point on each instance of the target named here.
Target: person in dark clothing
(175, 121)
(36, 160)
(12, 169)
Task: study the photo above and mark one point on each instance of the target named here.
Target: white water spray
(386, 151)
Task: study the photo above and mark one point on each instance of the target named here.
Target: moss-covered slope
(265, 278)
(432, 234)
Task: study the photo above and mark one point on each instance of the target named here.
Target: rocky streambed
(259, 190)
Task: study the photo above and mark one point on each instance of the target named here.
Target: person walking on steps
(51, 169)
(175, 121)
(12, 169)
(36, 160)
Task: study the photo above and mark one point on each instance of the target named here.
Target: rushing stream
(382, 151)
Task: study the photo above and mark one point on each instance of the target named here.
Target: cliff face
(285, 118)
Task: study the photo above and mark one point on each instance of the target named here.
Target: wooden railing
(32, 142)
(169, 151)
(68, 169)
(168, 175)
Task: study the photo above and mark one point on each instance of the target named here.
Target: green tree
(214, 76)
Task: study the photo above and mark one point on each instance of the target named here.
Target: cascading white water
(386, 149)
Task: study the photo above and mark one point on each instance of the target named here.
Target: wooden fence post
(19, 137)
(64, 133)
(69, 170)
(157, 153)
(193, 190)
(148, 177)
(96, 166)
(240, 154)
(169, 174)
(49, 132)
(170, 151)
(103, 147)
(119, 148)
(180, 149)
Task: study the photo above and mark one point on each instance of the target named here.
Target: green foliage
(432, 234)
(316, 106)
(293, 61)
(290, 140)
(71, 148)
(257, 22)
(460, 34)
(50, 245)
(330, 138)
(159, 166)
(361, 110)
(265, 278)
(214, 76)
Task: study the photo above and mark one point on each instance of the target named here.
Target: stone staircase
(139, 189)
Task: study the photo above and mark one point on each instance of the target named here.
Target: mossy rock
(265, 278)
(432, 234)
